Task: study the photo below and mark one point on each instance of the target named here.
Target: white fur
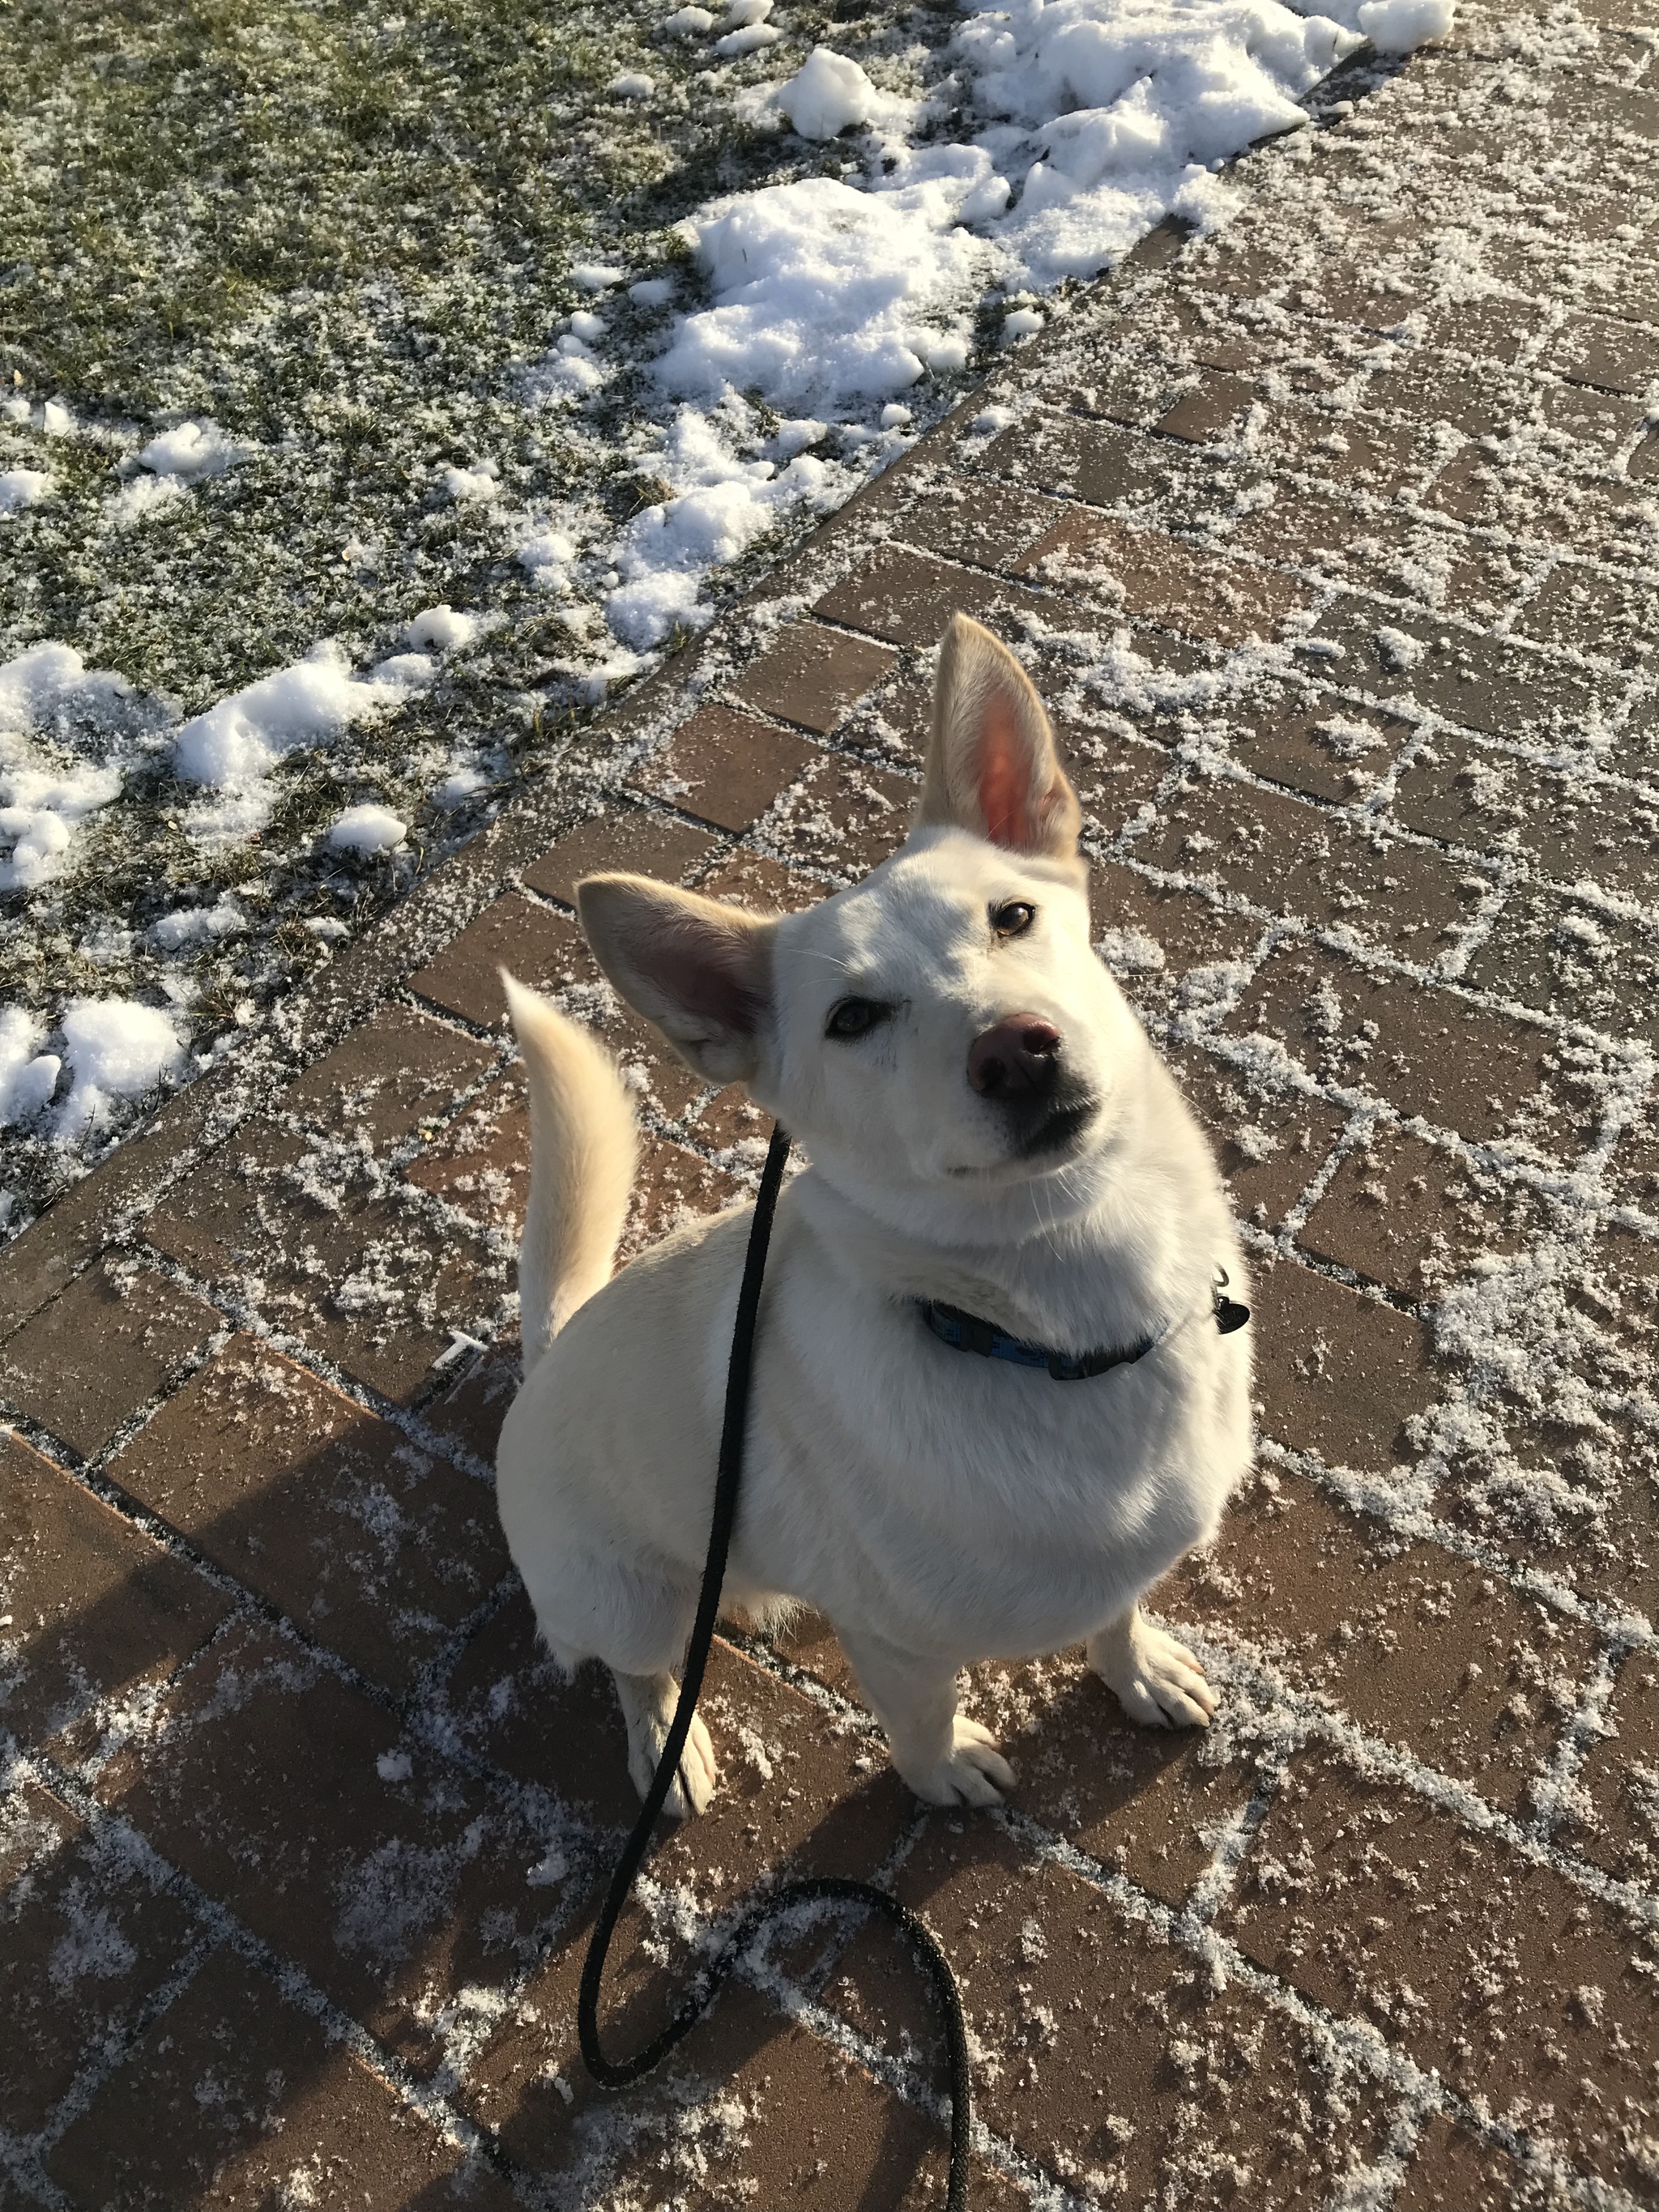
(940, 1508)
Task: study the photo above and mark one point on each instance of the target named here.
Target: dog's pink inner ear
(1005, 766)
(993, 767)
(709, 971)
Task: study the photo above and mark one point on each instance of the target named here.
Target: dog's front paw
(972, 1772)
(694, 1784)
(1157, 1681)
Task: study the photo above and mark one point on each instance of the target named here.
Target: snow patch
(748, 40)
(1400, 26)
(115, 1049)
(440, 629)
(368, 828)
(1118, 118)
(197, 925)
(831, 297)
(28, 1076)
(144, 498)
(457, 788)
(194, 451)
(234, 744)
(721, 505)
(21, 488)
(44, 791)
(823, 293)
(478, 484)
(828, 95)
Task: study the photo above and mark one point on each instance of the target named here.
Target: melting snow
(233, 747)
(28, 1076)
(368, 828)
(115, 1049)
(1076, 129)
(45, 792)
(21, 488)
(194, 451)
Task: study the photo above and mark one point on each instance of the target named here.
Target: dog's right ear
(993, 767)
(700, 971)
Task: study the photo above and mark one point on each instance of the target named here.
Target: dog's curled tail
(584, 1147)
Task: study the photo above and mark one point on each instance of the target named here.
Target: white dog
(996, 1154)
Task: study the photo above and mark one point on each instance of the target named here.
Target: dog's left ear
(700, 970)
(993, 767)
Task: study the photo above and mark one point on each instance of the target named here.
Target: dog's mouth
(1061, 1131)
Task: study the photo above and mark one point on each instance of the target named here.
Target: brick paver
(1333, 542)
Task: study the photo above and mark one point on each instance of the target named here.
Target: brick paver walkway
(1327, 541)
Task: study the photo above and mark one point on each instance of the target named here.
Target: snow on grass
(21, 488)
(43, 795)
(115, 1049)
(440, 629)
(368, 828)
(193, 450)
(28, 1076)
(828, 95)
(234, 745)
(519, 343)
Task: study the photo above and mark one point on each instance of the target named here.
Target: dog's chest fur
(965, 1506)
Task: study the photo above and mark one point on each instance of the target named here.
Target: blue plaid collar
(966, 1332)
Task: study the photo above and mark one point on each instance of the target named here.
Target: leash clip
(1228, 1314)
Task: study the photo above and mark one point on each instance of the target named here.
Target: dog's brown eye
(854, 1016)
(1013, 919)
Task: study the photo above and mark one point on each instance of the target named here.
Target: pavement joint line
(22, 2164)
(242, 1313)
(1226, 453)
(94, 2072)
(1317, 1722)
(1555, 1786)
(1373, 959)
(1377, 1499)
(1346, 2032)
(1048, 2191)
(423, 1699)
(1272, 1245)
(221, 1925)
(1215, 1886)
(242, 1317)
(1558, 1179)
(425, 1719)
(1349, 1139)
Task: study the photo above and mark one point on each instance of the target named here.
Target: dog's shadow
(1085, 1774)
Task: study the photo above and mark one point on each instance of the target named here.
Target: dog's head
(942, 1027)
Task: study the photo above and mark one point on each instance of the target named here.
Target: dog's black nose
(1017, 1059)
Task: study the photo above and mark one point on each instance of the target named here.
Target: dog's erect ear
(701, 972)
(993, 767)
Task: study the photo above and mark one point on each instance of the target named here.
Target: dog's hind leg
(1156, 1680)
(946, 1760)
(588, 1607)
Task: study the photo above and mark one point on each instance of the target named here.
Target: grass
(341, 235)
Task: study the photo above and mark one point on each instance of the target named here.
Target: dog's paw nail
(1162, 1685)
(972, 1772)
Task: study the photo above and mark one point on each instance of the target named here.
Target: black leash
(617, 2073)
